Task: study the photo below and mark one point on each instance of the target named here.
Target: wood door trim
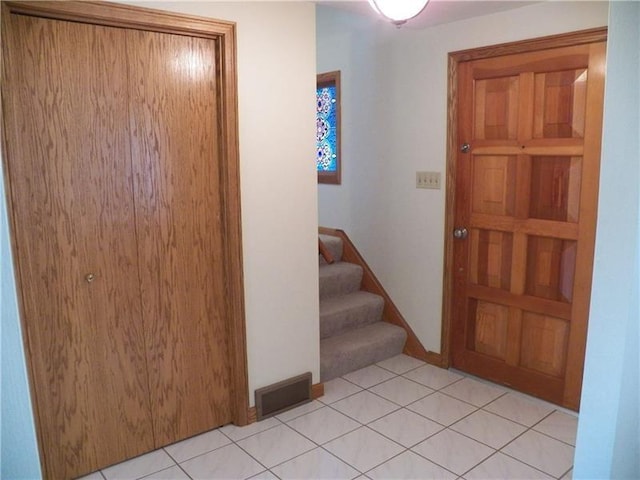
(224, 33)
(541, 43)
(455, 58)
(125, 16)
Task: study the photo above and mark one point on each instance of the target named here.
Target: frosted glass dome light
(398, 11)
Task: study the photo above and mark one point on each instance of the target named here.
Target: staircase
(352, 332)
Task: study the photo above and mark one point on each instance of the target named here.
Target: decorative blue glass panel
(326, 130)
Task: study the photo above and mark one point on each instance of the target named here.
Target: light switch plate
(428, 180)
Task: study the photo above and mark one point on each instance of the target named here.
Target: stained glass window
(328, 127)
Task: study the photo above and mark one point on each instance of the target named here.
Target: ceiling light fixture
(398, 11)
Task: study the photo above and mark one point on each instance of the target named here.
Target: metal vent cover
(282, 396)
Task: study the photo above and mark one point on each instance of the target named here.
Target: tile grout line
(410, 370)
(185, 472)
(248, 436)
(495, 451)
(493, 454)
(317, 445)
(511, 419)
(448, 469)
(285, 461)
(347, 396)
(396, 403)
(177, 464)
(529, 465)
(396, 410)
(520, 460)
(565, 473)
(371, 429)
(355, 419)
(254, 458)
(554, 438)
(416, 382)
(445, 427)
(548, 435)
(395, 441)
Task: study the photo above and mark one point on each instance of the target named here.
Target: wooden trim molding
(551, 41)
(127, 16)
(455, 58)
(252, 415)
(413, 347)
(317, 390)
(447, 281)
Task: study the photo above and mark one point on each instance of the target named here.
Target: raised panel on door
(70, 184)
(176, 153)
(526, 193)
(560, 103)
(495, 110)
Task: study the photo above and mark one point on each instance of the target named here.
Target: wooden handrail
(413, 347)
(324, 251)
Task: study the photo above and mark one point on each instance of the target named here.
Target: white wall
(608, 444)
(18, 447)
(394, 100)
(276, 85)
(347, 42)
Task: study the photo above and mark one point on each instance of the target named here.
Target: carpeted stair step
(339, 278)
(355, 349)
(345, 312)
(334, 245)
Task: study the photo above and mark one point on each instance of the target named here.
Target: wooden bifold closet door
(113, 160)
(179, 231)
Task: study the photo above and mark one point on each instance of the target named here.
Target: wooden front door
(529, 129)
(119, 167)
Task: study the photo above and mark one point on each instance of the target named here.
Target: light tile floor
(399, 419)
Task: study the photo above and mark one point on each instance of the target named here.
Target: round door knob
(89, 277)
(460, 233)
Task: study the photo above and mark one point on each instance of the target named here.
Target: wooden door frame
(224, 34)
(455, 58)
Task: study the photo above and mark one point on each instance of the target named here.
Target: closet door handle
(89, 277)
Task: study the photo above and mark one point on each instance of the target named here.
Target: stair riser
(340, 284)
(367, 348)
(359, 315)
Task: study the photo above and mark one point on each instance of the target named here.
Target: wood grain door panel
(70, 184)
(180, 231)
(122, 185)
(527, 193)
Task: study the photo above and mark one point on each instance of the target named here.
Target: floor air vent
(283, 396)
